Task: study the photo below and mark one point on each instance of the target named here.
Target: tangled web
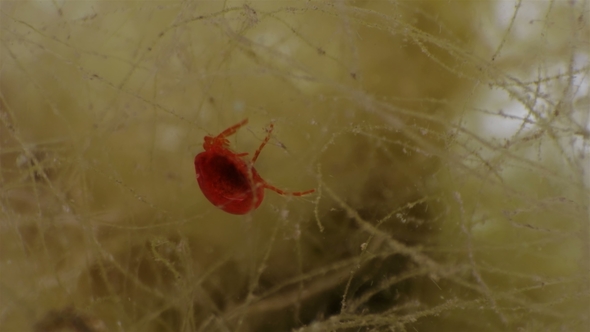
(448, 143)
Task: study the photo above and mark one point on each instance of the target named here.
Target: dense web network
(447, 143)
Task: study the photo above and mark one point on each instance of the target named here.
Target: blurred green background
(448, 142)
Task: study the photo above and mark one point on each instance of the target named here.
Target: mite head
(217, 141)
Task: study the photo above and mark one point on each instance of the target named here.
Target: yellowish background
(448, 142)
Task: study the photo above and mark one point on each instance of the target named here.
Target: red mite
(229, 180)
